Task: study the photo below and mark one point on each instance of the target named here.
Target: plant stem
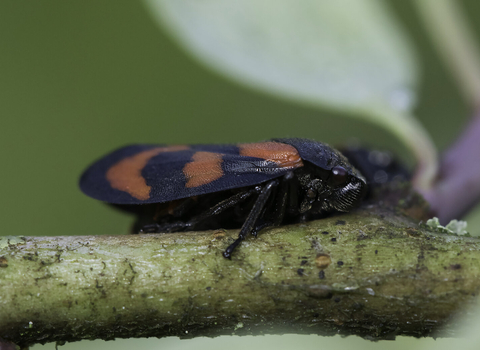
(449, 31)
(457, 187)
(372, 272)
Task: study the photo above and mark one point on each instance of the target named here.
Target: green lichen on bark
(373, 272)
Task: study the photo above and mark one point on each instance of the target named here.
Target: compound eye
(340, 175)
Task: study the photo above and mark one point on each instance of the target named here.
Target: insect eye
(340, 175)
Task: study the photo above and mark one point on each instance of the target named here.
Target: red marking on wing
(126, 175)
(204, 168)
(286, 156)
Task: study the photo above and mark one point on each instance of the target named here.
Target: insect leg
(184, 207)
(223, 205)
(283, 197)
(215, 210)
(281, 200)
(292, 202)
(252, 216)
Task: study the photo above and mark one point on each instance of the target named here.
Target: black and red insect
(252, 185)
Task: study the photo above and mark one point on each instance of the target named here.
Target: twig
(372, 272)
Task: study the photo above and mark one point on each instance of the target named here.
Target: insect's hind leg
(253, 216)
(215, 210)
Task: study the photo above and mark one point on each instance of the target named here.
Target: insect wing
(141, 174)
(96, 181)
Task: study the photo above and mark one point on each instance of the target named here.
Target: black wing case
(142, 174)
(318, 153)
(321, 154)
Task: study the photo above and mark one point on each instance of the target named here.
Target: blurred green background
(79, 79)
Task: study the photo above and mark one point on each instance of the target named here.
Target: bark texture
(374, 272)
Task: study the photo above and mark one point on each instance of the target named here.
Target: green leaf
(338, 53)
(345, 55)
